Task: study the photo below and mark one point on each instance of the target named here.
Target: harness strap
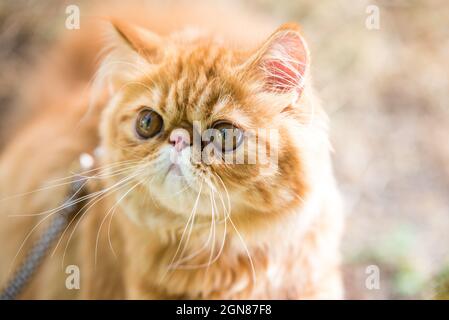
(39, 250)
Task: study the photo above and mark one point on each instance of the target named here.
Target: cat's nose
(180, 138)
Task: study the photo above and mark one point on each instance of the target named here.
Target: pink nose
(180, 138)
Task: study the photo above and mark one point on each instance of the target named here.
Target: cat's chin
(176, 193)
(184, 201)
(175, 180)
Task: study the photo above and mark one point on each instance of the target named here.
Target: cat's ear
(132, 52)
(142, 41)
(281, 62)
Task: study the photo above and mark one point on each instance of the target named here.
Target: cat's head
(167, 95)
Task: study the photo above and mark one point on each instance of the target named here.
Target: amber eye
(148, 123)
(228, 137)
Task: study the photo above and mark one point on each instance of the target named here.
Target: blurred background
(385, 90)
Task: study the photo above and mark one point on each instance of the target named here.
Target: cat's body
(284, 235)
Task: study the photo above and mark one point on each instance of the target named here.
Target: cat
(159, 225)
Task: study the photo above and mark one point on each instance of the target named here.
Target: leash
(40, 248)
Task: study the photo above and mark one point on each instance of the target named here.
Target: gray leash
(39, 250)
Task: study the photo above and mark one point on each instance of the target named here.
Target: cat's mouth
(174, 169)
(178, 176)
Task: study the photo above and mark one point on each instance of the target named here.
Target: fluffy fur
(225, 231)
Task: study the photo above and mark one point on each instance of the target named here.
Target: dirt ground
(386, 93)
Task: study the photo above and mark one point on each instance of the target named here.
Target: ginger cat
(158, 225)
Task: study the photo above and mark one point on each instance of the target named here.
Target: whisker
(205, 245)
(68, 203)
(237, 232)
(191, 216)
(106, 192)
(70, 178)
(214, 232)
(112, 210)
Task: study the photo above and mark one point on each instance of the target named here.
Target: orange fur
(281, 240)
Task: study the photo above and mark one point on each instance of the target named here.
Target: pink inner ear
(285, 64)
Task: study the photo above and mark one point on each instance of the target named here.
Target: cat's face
(194, 125)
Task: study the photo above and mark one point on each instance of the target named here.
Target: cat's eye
(148, 123)
(228, 136)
